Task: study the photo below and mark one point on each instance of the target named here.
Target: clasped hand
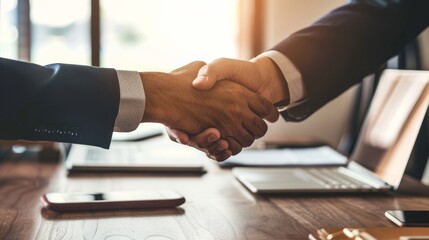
(260, 76)
(233, 110)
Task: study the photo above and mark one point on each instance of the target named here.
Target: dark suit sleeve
(58, 102)
(349, 43)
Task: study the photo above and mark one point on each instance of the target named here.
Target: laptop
(382, 151)
(146, 150)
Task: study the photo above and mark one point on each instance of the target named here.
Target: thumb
(203, 81)
(238, 71)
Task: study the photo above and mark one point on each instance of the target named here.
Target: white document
(323, 155)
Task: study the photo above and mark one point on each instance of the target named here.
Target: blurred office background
(160, 35)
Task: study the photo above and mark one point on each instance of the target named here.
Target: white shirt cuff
(297, 93)
(132, 101)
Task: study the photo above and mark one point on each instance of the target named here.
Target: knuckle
(227, 134)
(199, 63)
(211, 67)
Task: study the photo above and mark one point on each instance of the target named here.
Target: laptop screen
(392, 124)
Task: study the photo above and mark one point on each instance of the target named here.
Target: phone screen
(415, 217)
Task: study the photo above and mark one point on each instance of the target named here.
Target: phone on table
(416, 218)
(112, 200)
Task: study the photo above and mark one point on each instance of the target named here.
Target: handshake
(217, 108)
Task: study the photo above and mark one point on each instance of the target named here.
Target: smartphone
(112, 200)
(417, 218)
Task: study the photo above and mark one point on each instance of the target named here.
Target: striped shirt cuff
(132, 101)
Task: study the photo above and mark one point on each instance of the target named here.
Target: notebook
(381, 153)
(152, 154)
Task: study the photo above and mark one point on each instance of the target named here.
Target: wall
(283, 17)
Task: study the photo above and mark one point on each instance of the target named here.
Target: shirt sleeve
(132, 101)
(297, 93)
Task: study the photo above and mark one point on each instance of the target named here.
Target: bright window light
(166, 34)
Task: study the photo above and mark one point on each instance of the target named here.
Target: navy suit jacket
(58, 102)
(347, 44)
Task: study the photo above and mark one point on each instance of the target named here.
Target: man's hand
(260, 75)
(208, 141)
(234, 110)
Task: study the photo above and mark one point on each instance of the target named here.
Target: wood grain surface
(217, 207)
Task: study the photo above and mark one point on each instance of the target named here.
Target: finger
(257, 127)
(206, 137)
(273, 116)
(243, 136)
(222, 156)
(217, 147)
(234, 146)
(214, 149)
(238, 71)
(177, 135)
(263, 108)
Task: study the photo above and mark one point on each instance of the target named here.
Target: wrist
(156, 89)
(275, 85)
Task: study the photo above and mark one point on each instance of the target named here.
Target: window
(127, 34)
(165, 34)
(60, 31)
(9, 29)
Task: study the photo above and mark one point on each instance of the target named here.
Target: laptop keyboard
(332, 178)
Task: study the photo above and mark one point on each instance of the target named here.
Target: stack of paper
(323, 155)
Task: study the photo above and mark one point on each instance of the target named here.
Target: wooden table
(217, 207)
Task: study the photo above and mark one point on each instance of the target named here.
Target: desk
(217, 207)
